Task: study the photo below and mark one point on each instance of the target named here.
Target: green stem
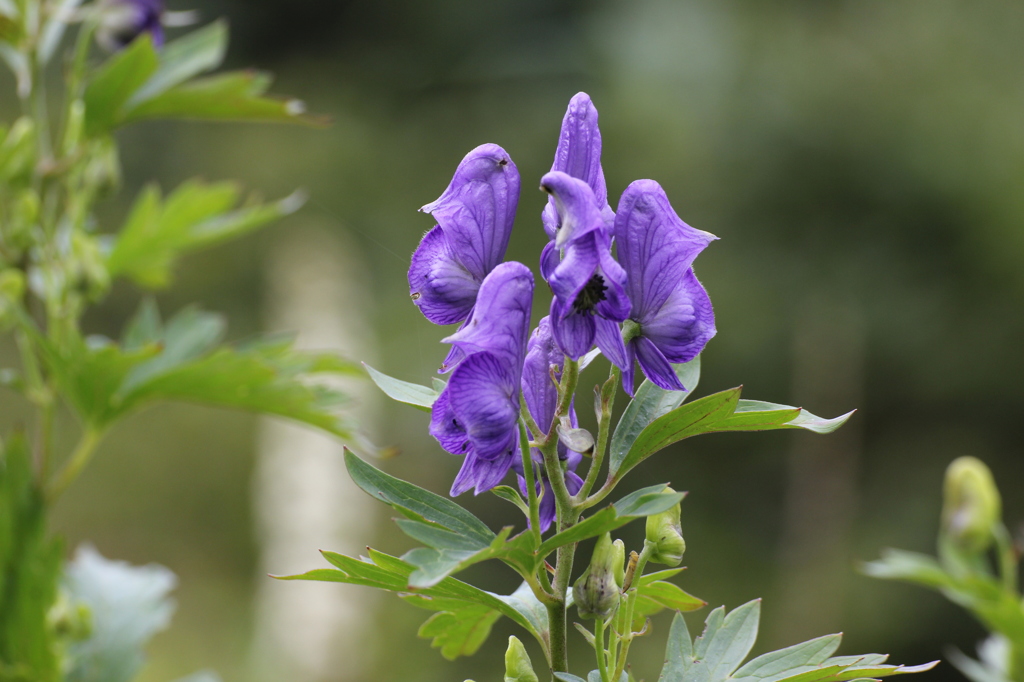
(531, 485)
(557, 609)
(627, 638)
(603, 428)
(602, 666)
(1007, 558)
(76, 462)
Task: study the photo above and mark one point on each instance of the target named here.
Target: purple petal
(538, 389)
(629, 369)
(483, 395)
(579, 155)
(573, 482)
(577, 207)
(546, 507)
(609, 339)
(549, 258)
(439, 285)
(654, 246)
(655, 366)
(588, 279)
(481, 474)
(574, 332)
(477, 210)
(445, 427)
(500, 321)
(684, 323)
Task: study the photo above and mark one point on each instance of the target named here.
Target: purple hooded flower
(589, 285)
(477, 413)
(578, 155)
(122, 21)
(671, 309)
(474, 220)
(541, 397)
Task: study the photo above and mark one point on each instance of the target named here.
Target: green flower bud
(972, 505)
(597, 591)
(518, 667)
(664, 531)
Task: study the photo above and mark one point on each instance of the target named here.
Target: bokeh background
(862, 162)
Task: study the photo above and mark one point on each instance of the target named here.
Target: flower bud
(666, 534)
(664, 531)
(518, 667)
(972, 505)
(597, 591)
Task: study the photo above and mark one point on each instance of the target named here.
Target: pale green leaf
(420, 397)
(115, 82)
(190, 55)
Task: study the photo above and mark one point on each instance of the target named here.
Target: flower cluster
(621, 280)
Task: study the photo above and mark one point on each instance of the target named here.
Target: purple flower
(477, 413)
(474, 220)
(671, 310)
(541, 397)
(589, 285)
(578, 155)
(122, 21)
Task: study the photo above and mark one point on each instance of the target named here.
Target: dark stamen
(591, 295)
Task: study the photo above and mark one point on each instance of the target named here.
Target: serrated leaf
(115, 81)
(420, 397)
(688, 420)
(757, 415)
(648, 403)
(190, 55)
(460, 631)
(422, 503)
(678, 652)
(104, 381)
(811, 652)
(232, 96)
(196, 215)
(392, 574)
(716, 655)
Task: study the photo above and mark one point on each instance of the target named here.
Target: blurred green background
(862, 162)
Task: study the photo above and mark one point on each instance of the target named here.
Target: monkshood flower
(474, 220)
(541, 395)
(588, 284)
(477, 413)
(122, 21)
(671, 318)
(578, 155)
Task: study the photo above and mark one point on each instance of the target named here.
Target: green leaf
(716, 655)
(179, 361)
(685, 421)
(649, 403)
(420, 397)
(913, 567)
(30, 565)
(447, 596)
(192, 54)
(811, 652)
(439, 538)
(459, 631)
(669, 596)
(196, 215)
(756, 415)
(434, 564)
(119, 77)
(127, 606)
(232, 96)
(512, 495)
(420, 503)
(643, 502)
